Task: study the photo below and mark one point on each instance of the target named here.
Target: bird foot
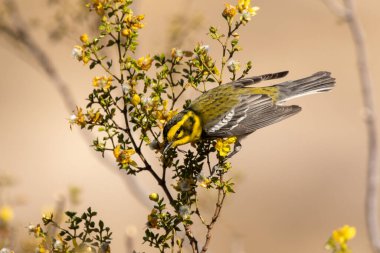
(217, 167)
(237, 148)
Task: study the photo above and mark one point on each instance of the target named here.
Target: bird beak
(167, 146)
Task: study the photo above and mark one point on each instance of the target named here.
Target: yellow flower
(339, 238)
(164, 116)
(171, 114)
(145, 62)
(153, 219)
(99, 8)
(124, 156)
(133, 22)
(165, 104)
(98, 5)
(161, 114)
(343, 234)
(224, 146)
(126, 32)
(137, 25)
(136, 99)
(85, 59)
(47, 215)
(243, 5)
(84, 38)
(102, 82)
(38, 231)
(6, 214)
(78, 118)
(129, 17)
(94, 117)
(229, 11)
(253, 10)
(140, 17)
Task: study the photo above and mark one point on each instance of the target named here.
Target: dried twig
(370, 120)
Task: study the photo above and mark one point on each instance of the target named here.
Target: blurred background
(296, 181)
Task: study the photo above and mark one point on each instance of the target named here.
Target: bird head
(183, 128)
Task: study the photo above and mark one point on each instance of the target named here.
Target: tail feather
(319, 82)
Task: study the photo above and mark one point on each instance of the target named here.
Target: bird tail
(319, 82)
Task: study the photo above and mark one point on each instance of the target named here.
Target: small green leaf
(93, 64)
(110, 43)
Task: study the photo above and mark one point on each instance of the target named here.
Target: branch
(192, 240)
(20, 33)
(370, 121)
(218, 209)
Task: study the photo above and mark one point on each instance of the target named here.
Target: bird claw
(237, 148)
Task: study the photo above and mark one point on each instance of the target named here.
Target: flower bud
(84, 38)
(126, 32)
(229, 11)
(136, 99)
(154, 197)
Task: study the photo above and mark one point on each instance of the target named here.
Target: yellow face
(185, 127)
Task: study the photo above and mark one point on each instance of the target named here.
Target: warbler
(236, 109)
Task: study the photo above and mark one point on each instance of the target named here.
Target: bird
(236, 109)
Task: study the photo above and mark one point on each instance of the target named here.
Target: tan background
(297, 180)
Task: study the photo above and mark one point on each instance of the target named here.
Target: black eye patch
(178, 132)
(172, 123)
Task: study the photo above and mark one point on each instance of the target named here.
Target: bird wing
(253, 112)
(256, 79)
(266, 117)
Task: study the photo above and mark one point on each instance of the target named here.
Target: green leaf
(109, 63)
(234, 42)
(70, 214)
(110, 43)
(93, 64)
(102, 27)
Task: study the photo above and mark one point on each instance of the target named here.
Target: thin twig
(197, 210)
(100, 62)
(193, 241)
(218, 209)
(370, 119)
(368, 104)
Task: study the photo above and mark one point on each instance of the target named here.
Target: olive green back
(216, 102)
